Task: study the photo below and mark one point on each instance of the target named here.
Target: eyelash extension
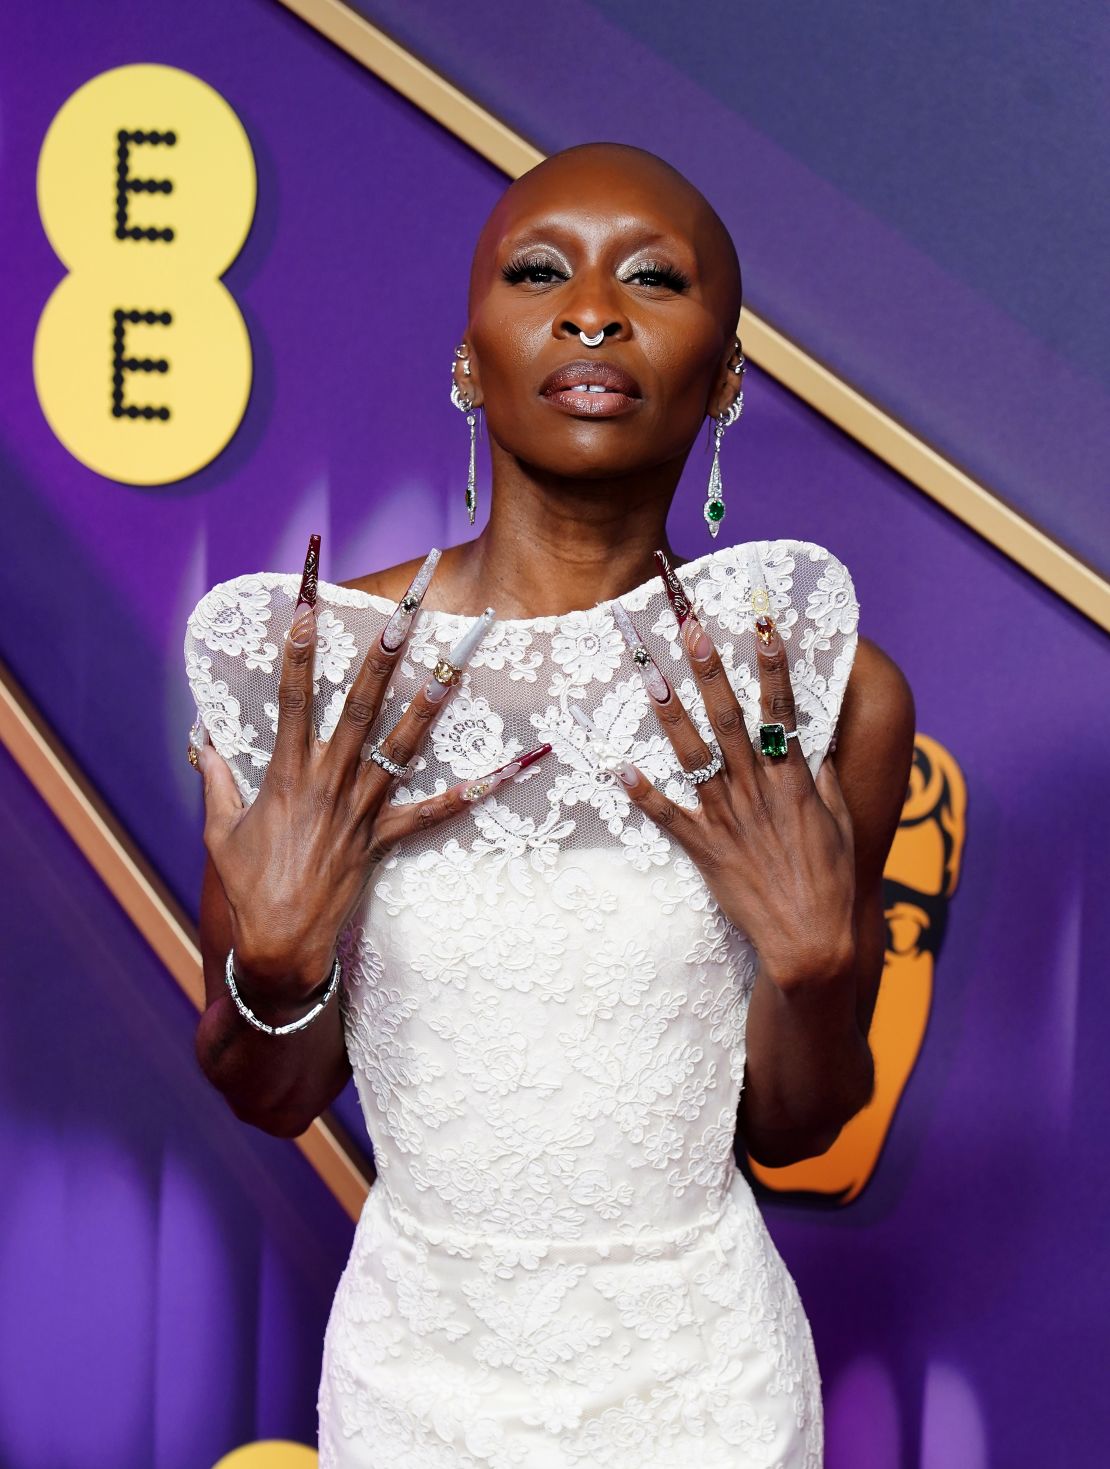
(669, 274)
(518, 267)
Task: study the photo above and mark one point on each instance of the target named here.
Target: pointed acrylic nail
(396, 629)
(697, 640)
(448, 671)
(765, 630)
(676, 592)
(497, 777)
(656, 685)
(307, 592)
(607, 757)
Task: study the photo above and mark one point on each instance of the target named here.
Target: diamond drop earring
(714, 508)
(464, 402)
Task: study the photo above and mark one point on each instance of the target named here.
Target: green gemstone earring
(714, 509)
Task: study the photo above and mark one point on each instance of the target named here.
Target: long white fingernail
(448, 671)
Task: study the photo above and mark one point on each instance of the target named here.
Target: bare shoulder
(389, 582)
(393, 581)
(874, 746)
(878, 691)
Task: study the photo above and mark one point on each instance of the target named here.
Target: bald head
(617, 180)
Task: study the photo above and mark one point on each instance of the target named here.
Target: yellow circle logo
(273, 1454)
(146, 191)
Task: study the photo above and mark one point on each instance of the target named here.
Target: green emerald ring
(773, 740)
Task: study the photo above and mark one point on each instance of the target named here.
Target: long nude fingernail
(396, 629)
(656, 685)
(676, 592)
(448, 671)
(697, 640)
(300, 634)
(307, 593)
(503, 773)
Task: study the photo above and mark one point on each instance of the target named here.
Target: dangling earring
(464, 402)
(714, 509)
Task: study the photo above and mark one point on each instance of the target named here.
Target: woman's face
(599, 240)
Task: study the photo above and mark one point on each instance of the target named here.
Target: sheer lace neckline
(519, 687)
(636, 598)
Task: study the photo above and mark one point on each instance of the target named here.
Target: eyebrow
(543, 232)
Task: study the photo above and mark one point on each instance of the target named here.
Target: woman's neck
(550, 546)
(554, 545)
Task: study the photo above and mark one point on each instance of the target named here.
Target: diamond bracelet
(252, 1019)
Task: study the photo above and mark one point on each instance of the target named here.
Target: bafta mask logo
(918, 883)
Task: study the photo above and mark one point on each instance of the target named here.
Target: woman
(574, 932)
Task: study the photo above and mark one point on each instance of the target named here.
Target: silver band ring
(385, 763)
(706, 772)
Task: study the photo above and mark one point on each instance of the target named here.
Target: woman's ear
(730, 381)
(464, 374)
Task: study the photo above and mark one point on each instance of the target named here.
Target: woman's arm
(796, 867)
(285, 873)
(280, 1084)
(809, 1067)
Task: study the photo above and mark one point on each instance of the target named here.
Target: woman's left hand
(774, 846)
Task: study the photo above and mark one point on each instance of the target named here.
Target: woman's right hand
(295, 862)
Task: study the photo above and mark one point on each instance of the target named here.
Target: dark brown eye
(532, 268)
(661, 275)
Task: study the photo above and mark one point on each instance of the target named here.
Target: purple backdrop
(137, 1210)
(951, 147)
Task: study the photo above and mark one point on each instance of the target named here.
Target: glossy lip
(621, 395)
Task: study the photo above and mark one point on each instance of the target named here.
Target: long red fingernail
(676, 592)
(531, 757)
(490, 782)
(307, 592)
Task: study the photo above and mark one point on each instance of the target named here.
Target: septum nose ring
(594, 341)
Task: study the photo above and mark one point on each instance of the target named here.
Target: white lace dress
(560, 1263)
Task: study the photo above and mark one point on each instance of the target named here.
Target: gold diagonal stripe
(982, 510)
(144, 898)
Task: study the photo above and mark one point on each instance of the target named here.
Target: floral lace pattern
(545, 1012)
